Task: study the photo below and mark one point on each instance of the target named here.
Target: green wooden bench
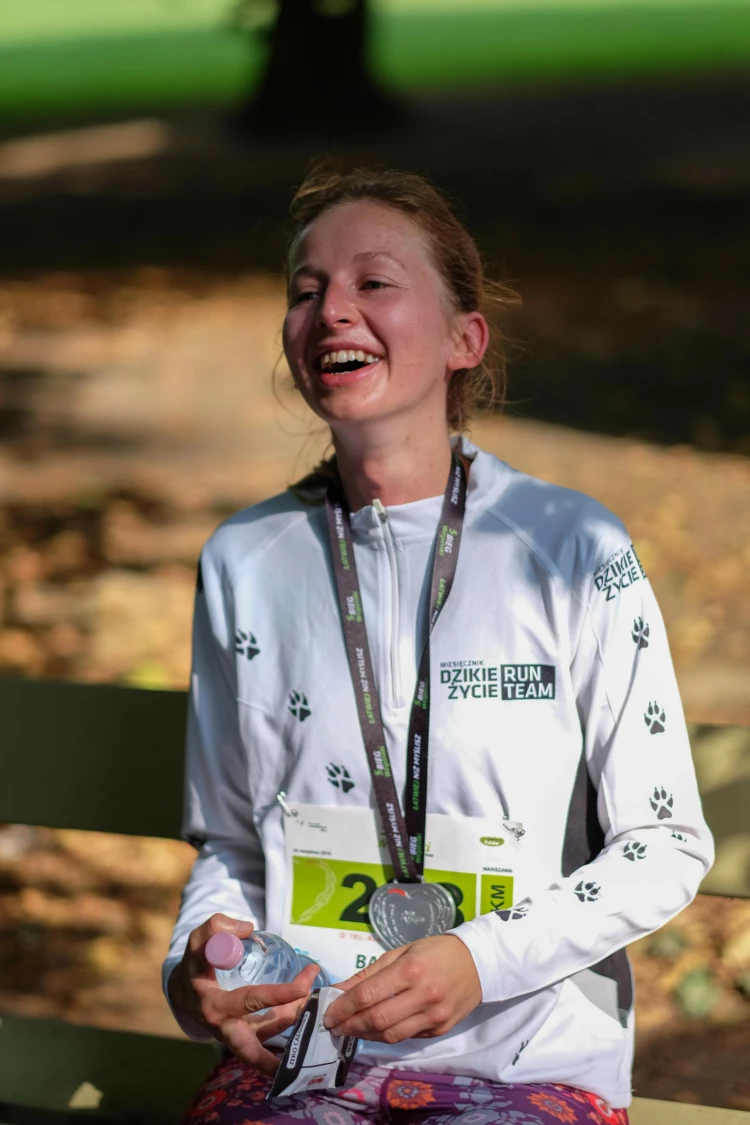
(109, 759)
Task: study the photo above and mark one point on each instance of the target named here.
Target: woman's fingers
(242, 1040)
(374, 1021)
(434, 977)
(382, 962)
(416, 1027)
(305, 978)
(368, 987)
(217, 924)
(242, 1002)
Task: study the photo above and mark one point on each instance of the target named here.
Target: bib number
(335, 893)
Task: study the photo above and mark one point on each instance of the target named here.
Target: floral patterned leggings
(235, 1095)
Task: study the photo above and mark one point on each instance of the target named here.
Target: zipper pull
(380, 511)
(515, 828)
(281, 798)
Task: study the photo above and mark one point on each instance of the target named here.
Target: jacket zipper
(390, 549)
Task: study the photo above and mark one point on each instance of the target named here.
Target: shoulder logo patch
(620, 571)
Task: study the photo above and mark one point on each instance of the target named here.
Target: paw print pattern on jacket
(588, 892)
(633, 850)
(245, 644)
(641, 632)
(513, 914)
(524, 1045)
(680, 837)
(340, 777)
(298, 705)
(654, 718)
(662, 803)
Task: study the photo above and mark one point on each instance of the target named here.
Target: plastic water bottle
(262, 958)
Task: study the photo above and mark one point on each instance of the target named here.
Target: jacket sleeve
(228, 875)
(656, 845)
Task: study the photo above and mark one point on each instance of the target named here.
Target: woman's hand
(415, 992)
(229, 1016)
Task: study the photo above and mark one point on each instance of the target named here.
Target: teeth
(348, 356)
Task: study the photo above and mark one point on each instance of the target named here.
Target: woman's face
(368, 334)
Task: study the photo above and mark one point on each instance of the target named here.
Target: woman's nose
(336, 307)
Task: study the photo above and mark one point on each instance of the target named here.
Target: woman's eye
(373, 283)
(305, 295)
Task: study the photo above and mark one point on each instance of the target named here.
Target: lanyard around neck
(404, 832)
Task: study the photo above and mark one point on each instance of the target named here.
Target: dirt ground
(139, 318)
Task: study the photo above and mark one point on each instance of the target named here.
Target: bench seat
(149, 1079)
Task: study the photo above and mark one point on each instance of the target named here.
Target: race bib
(336, 858)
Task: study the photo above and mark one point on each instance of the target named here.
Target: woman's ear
(470, 339)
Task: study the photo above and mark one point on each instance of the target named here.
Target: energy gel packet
(314, 1058)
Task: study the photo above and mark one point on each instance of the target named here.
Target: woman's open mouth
(346, 360)
(345, 366)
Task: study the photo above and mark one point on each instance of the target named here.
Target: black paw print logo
(298, 705)
(633, 850)
(654, 718)
(641, 633)
(588, 892)
(661, 802)
(513, 914)
(245, 644)
(679, 836)
(340, 777)
(523, 1047)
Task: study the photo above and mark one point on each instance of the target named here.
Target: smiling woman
(429, 605)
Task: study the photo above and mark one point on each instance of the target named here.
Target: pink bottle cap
(224, 950)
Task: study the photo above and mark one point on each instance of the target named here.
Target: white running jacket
(596, 766)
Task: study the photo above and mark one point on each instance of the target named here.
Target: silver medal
(404, 912)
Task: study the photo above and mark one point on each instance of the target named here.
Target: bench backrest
(110, 759)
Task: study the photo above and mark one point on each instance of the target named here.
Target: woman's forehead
(361, 231)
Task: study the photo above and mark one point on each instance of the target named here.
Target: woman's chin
(350, 403)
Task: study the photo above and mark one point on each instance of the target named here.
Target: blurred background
(148, 153)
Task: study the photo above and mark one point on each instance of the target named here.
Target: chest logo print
(245, 644)
(340, 777)
(473, 679)
(299, 706)
(527, 681)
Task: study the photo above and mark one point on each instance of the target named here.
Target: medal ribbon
(404, 832)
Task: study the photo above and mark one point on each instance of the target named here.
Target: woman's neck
(394, 472)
